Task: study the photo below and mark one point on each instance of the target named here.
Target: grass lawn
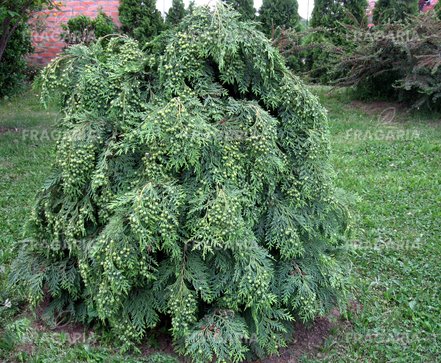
(392, 168)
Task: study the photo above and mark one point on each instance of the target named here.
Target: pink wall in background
(47, 25)
(430, 6)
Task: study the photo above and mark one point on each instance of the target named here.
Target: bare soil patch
(384, 111)
(375, 107)
(4, 130)
(307, 339)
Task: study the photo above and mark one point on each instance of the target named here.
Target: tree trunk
(5, 35)
(7, 32)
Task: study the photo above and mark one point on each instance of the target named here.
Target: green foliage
(140, 19)
(78, 30)
(218, 335)
(279, 14)
(321, 54)
(315, 51)
(19, 11)
(191, 6)
(398, 60)
(333, 14)
(176, 13)
(396, 247)
(161, 358)
(310, 53)
(15, 41)
(394, 10)
(13, 64)
(320, 45)
(19, 154)
(21, 342)
(13, 334)
(244, 7)
(84, 30)
(14, 15)
(191, 182)
(396, 264)
(438, 10)
(104, 25)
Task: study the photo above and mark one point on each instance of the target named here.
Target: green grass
(396, 257)
(25, 157)
(392, 169)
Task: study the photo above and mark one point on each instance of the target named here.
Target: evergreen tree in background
(327, 37)
(15, 40)
(13, 63)
(140, 19)
(331, 13)
(279, 13)
(394, 10)
(191, 7)
(244, 7)
(176, 12)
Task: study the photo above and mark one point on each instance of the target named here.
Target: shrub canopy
(192, 183)
(15, 14)
(15, 40)
(13, 64)
(397, 60)
(83, 29)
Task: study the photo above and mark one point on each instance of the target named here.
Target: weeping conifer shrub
(191, 190)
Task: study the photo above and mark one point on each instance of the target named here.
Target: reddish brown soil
(4, 130)
(307, 339)
(382, 110)
(375, 107)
